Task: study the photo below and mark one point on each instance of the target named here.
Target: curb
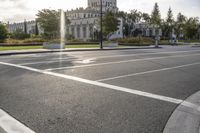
(196, 46)
(186, 118)
(67, 50)
(2, 131)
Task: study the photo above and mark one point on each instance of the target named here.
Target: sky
(18, 10)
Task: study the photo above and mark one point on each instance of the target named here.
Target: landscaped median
(67, 46)
(4, 48)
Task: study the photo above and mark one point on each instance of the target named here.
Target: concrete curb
(2, 131)
(196, 46)
(67, 50)
(186, 118)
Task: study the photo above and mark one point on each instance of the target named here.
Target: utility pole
(101, 29)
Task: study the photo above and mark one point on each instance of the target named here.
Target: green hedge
(135, 40)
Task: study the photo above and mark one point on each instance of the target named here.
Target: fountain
(59, 45)
(62, 30)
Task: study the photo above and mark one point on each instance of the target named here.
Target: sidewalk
(35, 51)
(186, 118)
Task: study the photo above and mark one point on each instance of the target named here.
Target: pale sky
(18, 10)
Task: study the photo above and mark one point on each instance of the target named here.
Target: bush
(75, 40)
(19, 34)
(135, 40)
(31, 40)
(3, 33)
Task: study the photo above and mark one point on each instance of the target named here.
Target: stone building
(85, 22)
(29, 27)
(145, 29)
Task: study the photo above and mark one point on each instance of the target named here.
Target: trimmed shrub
(135, 40)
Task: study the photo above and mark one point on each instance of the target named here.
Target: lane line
(104, 85)
(109, 56)
(44, 62)
(127, 55)
(147, 72)
(118, 62)
(20, 127)
(11, 125)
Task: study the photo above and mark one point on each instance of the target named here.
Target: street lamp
(101, 29)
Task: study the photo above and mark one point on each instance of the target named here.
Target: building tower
(108, 5)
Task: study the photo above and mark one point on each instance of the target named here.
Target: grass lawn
(189, 41)
(5, 48)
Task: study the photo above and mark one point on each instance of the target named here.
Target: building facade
(29, 27)
(84, 23)
(145, 29)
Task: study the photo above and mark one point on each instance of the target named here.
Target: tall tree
(36, 28)
(110, 23)
(3, 32)
(146, 17)
(49, 21)
(155, 16)
(191, 28)
(169, 23)
(135, 15)
(170, 19)
(179, 25)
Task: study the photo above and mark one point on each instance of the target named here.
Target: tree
(135, 16)
(155, 16)
(36, 28)
(169, 24)
(49, 21)
(156, 21)
(3, 32)
(179, 25)
(146, 17)
(110, 23)
(191, 28)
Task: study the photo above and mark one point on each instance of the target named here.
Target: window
(84, 32)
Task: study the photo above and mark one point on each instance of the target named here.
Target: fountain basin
(110, 44)
(47, 45)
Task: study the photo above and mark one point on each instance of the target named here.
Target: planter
(111, 44)
(53, 46)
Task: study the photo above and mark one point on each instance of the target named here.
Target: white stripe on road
(11, 125)
(146, 72)
(43, 62)
(127, 55)
(118, 62)
(8, 126)
(113, 87)
(108, 56)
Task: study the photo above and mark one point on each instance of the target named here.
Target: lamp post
(101, 29)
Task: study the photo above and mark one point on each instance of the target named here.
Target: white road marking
(146, 72)
(118, 62)
(44, 62)
(127, 55)
(112, 87)
(11, 125)
(86, 61)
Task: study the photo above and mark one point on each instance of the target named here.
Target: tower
(110, 5)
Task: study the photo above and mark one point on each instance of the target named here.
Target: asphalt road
(121, 91)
